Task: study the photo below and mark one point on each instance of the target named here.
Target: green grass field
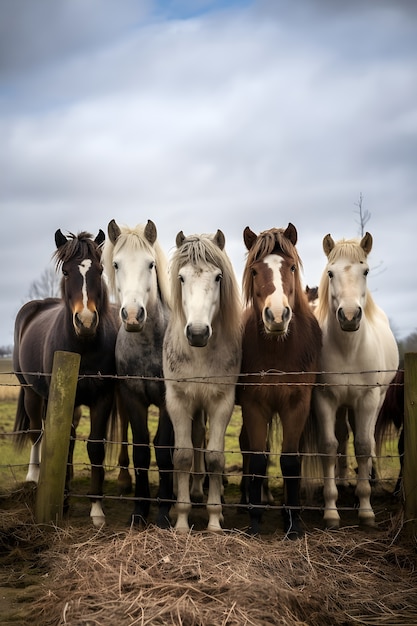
(13, 463)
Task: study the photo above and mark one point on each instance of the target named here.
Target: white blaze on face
(276, 301)
(84, 266)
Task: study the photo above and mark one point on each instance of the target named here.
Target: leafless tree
(364, 215)
(47, 285)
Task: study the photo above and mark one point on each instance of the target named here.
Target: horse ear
(249, 237)
(291, 233)
(220, 239)
(328, 244)
(150, 232)
(366, 243)
(179, 239)
(113, 231)
(99, 240)
(60, 239)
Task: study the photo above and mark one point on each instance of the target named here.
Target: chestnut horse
(81, 321)
(281, 346)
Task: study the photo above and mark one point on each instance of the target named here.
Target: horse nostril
(140, 314)
(269, 316)
(123, 314)
(286, 314)
(341, 315)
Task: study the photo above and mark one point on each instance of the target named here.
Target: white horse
(358, 361)
(201, 363)
(138, 277)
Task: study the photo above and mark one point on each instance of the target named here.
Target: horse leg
(138, 415)
(183, 460)
(342, 435)
(244, 483)
(164, 442)
(124, 479)
(255, 422)
(34, 407)
(199, 468)
(220, 413)
(325, 408)
(267, 497)
(70, 464)
(364, 447)
(99, 417)
(293, 418)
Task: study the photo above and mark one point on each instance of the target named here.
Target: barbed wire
(225, 379)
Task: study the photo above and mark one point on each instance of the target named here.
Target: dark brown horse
(391, 415)
(80, 321)
(281, 345)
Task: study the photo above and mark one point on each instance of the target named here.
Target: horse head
(198, 266)
(131, 259)
(269, 280)
(82, 287)
(346, 279)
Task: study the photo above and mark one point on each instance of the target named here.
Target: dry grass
(155, 577)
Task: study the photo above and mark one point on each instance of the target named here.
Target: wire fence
(388, 463)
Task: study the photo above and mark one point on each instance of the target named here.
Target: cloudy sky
(206, 114)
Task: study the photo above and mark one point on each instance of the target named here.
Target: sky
(207, 114)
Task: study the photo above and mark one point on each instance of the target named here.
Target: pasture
(80, 575)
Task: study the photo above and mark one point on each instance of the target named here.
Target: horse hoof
(98, 521)
(138, 522)
(214, 528)
(332, 524)
(367, 522)
(163, 522)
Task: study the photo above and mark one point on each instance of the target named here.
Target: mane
(344, 249)
(77, 246)
(268, 242)
(201, 251)
(134, 239)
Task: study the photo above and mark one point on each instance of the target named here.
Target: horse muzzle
(133, 319)
(197, 335)
(349, 324)
(274, 326)
(85, 323)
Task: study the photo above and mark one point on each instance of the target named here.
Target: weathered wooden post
(56, 437)
(410, 442)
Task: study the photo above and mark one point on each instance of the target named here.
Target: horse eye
(151, 265)
(254, 272)
(330, 274)
(181, 278)
(116, 265)
(293, 268)
(65, 273)
(366, 272)
(219, 278)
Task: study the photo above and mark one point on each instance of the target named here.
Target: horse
(391, 415)
(136, 269)
(80, 321)
(201, 364)
(312, 294)
(358, 361)
(280, 353)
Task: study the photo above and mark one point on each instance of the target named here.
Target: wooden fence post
(410, 441)
(56, 437)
